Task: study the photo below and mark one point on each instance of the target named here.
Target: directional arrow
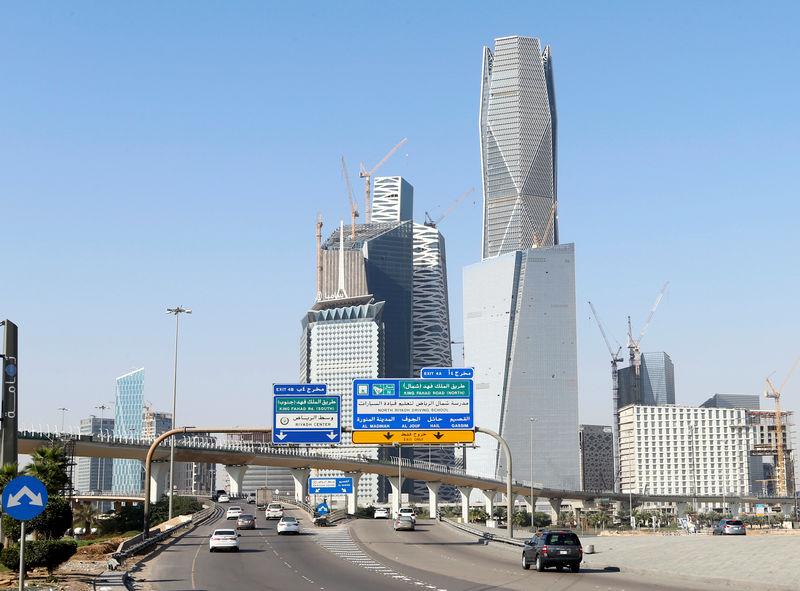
(35, 499)
(344, 490)
(388, 436)
(331, 435)
(438, 435)
(281, 436)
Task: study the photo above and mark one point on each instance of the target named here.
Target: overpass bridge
(238, 455)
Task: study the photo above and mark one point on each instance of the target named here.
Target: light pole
(64, 410)
(177, 311)
(533, 420)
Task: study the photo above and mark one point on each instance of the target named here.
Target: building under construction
(765, 429)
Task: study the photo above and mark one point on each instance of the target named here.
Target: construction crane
(633, 345)
(780, 464)
(353, 204)
(537, 243)
(433, 223)
(368, 175)
(615, 359)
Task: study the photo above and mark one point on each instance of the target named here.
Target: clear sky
(162, 153)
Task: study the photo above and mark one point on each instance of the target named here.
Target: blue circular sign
(24, 498)
(322, 509)
(11, 370)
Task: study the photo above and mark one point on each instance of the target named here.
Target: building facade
(520, 335)
(654, 384)
(680, 450)
(518, 146)
(748, 401)
(95, 473)
(392, 199)
(128, 475)
(597, 458)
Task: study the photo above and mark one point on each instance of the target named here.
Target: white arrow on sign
(281, 435)
(36, 499)
(344, 490)
(331, 435)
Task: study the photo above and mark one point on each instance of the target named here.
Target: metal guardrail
(481, 533)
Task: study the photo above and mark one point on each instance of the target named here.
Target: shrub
(46, 553)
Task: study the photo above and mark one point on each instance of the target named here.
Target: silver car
(729, 527)
(404, 522)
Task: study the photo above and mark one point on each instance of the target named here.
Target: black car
(553, 548)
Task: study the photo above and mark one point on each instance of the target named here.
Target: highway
(365, 554)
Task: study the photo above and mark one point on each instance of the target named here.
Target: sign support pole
(22, 556)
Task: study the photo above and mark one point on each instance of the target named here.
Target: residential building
(128, 475)
(597, 458)
(94, 473)
(520, 335)
(518, 146)
(681, 450)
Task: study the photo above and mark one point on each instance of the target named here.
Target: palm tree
(49, 464)
(8, 473)
(84, 513)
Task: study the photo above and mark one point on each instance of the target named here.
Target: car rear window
(274, 506)
(224, 532)
(563, 539)
(733, 522)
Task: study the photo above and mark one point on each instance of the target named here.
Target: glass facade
(518, 146)
(94, 473)
(655, 384)
(129, 423)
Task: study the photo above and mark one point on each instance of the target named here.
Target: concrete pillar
(465, 491)
(681, 509)
(397, 494)
(158, 473)
(530, 503)
(489, 494)
(300, 476)
(352, 500)
(236, 472)
(787, 508)
(433, 498)
(735, 508)
(555, 505)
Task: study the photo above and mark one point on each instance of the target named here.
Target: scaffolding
(765, 444)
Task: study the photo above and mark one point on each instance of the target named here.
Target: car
(381, 513)
(251, 498)
(729, 527)
(223, 539)
(233, 512)
(558, 548)
(273, 511)
(246, 521)
(404, 522)
(407, 512)
(223, 499)
(288, 525)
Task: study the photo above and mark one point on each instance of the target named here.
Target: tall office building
(653, 386)
(129, 423)
(392, 199)
(94, 473)
(597, 458)
(518, 146)
(520, 335)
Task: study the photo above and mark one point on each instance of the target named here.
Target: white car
(407, 512)
(381, 513)
(288, 525)
(224, 539)
(223, 499)
(274, 511)
(233, 513)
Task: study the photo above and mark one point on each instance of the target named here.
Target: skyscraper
(520, 331)
(95, 473)
(518, 146)
(392, 199)
(129, 423)
(653, 386)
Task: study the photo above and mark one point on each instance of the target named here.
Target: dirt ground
(77, 574)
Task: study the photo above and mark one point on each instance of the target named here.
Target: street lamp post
(177, 311)
(64, 410)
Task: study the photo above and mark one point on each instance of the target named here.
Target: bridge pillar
(530, 503)
(465, 491)
(735, 508)
(352, 500)
(236, 472)
(489, 494)
(158, 473)
(300, 477)
(787, 508)
(681, 509)
(433, 498)
(397, 494)
(555, 505)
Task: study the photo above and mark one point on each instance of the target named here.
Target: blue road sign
(24, 497)
(330, 486)
(304, 418)
(323, 509)
(385, 404)
(453, 373)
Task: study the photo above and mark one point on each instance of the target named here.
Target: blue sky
(155, 154)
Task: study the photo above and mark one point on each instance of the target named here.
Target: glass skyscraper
(518, 146)
(95, 473)
(655, 384)
(129, 422)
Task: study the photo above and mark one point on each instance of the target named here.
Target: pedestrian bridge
(237, 455)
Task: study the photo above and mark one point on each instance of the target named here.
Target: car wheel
(211, 549)
(525, 564)
(539, 563)
(575, 566)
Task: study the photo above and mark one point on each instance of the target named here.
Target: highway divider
(475, 531)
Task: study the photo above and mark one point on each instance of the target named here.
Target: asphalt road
(365, 554)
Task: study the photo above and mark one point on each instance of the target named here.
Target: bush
(47, 553)
(50, 524)
(365, 511)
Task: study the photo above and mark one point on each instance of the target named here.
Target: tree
(8, 473)
(85, 514)
(49, 464)
(541, 519)
(521, 519)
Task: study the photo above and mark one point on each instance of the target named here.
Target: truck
(263, 497)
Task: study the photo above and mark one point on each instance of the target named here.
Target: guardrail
(481, 533)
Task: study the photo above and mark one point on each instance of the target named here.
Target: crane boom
(653, 311)
(353, 204)
(539, 243)
(433, 223)
(603, 332)
(368, 175)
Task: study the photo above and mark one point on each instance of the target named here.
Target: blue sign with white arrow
(24, 497)
(330, 486)
(323, 509)
(305, 418)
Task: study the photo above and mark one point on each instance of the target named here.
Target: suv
(274, 511)
(729, 527)
(553, 548)
(407, 512)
